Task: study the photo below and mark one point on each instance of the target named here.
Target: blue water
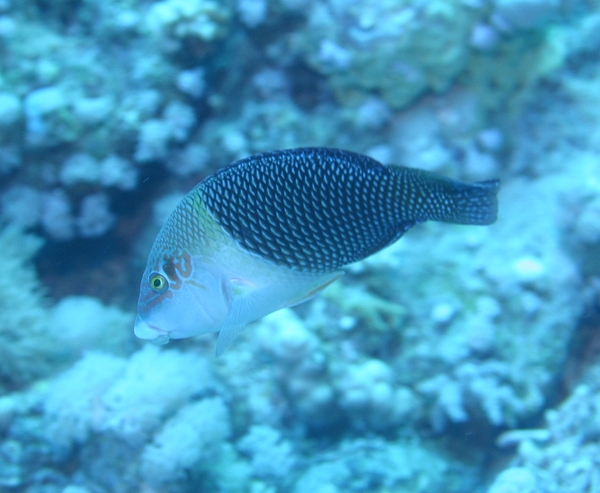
(460, 359)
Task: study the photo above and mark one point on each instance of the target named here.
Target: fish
(274, 229)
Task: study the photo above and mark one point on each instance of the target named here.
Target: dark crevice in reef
(584, 346)
(102, 266)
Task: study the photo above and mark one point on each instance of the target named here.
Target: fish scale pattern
(187, 228)
(311, 209)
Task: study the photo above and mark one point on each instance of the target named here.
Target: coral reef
(459, 359)
(38, 337)
(23, 331)
(419, 47)
(193, 436)
(561, 455)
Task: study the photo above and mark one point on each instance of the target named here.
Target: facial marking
(151, 299)
(178, 269)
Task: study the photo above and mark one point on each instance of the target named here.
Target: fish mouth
(150, 333)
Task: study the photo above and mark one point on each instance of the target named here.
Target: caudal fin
(430, 197)
(474, 203)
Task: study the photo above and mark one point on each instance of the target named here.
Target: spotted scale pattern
(189, 228)
(318, 209)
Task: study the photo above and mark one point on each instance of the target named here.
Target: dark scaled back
(318, 209)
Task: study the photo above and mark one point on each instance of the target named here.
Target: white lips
(149, 333)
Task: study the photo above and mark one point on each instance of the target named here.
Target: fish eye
(158, 282)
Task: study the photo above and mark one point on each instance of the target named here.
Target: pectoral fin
(228, 333)
(238, 293)
(248, 302)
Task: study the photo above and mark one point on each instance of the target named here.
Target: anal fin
(316, 288)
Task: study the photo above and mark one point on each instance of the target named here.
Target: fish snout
(150, 333)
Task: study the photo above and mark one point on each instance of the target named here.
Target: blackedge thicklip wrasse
(274, 229)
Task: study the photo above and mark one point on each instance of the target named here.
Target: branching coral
(562, 456)
(26, 346)
(194, 22)
(192, 438)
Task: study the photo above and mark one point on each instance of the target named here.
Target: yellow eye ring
(158, 282)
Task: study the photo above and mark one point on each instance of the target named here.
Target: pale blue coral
(191, 439)
(26, 346)
(563, 455)
(450, 329)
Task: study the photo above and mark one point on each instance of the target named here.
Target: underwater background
(461, 359)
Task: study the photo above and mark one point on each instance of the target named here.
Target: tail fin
(474, 203)
(432, 197)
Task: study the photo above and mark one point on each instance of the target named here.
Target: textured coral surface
(458, 360)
